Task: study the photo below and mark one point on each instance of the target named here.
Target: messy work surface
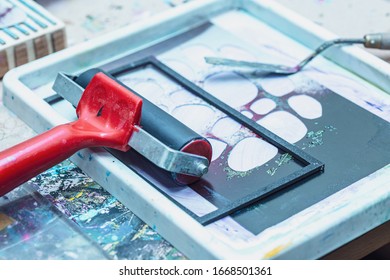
(242, 160)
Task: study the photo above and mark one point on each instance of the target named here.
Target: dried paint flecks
(316, 138)
(230, 173)
(275, 251)
(5, 221)
(330, 128)
(101, 217)
(282, 160)
(93, 24)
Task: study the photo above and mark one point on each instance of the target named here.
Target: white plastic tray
(308, 234)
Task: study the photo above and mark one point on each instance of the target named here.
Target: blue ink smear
(108, 173)
(90, 157)
(80, 155)
(374, 105)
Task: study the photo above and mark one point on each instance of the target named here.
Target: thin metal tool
(376, 41)
(144, 143)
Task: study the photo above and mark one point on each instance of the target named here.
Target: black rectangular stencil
(229, 193)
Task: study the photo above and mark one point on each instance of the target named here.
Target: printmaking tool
(109, 115)
(375, 41)
(163, 140)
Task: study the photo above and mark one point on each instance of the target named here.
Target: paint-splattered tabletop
(62, 213)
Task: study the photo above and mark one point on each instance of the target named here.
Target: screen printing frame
(310, 164)
(295, 238)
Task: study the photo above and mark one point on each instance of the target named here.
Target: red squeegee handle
(107, 114)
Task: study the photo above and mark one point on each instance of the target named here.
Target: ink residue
(100, 216)
(282, 160)
(230, 173)
(316, 138)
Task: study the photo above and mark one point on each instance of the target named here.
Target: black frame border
(310, 164)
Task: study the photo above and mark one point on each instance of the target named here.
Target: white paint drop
(196, 54)
(181, 68)
(263, 106)
(150, 89)
(277, 86)
(305, 106)
(218, 147)
(181, 97)
(225, 128)
(231, 88)
(285, 125)
(197, 117)
(249, 153)
(235, 52)
(247, 114)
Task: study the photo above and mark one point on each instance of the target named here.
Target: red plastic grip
(107, 114)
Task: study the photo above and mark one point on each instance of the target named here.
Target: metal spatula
(376, 41)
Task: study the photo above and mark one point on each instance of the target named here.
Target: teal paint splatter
(230, 173)
(272, 171)
(80, 155)
(316, 138)
(282, 160)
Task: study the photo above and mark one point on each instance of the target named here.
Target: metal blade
(258, 66)
(68, 89)
(166, 157)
